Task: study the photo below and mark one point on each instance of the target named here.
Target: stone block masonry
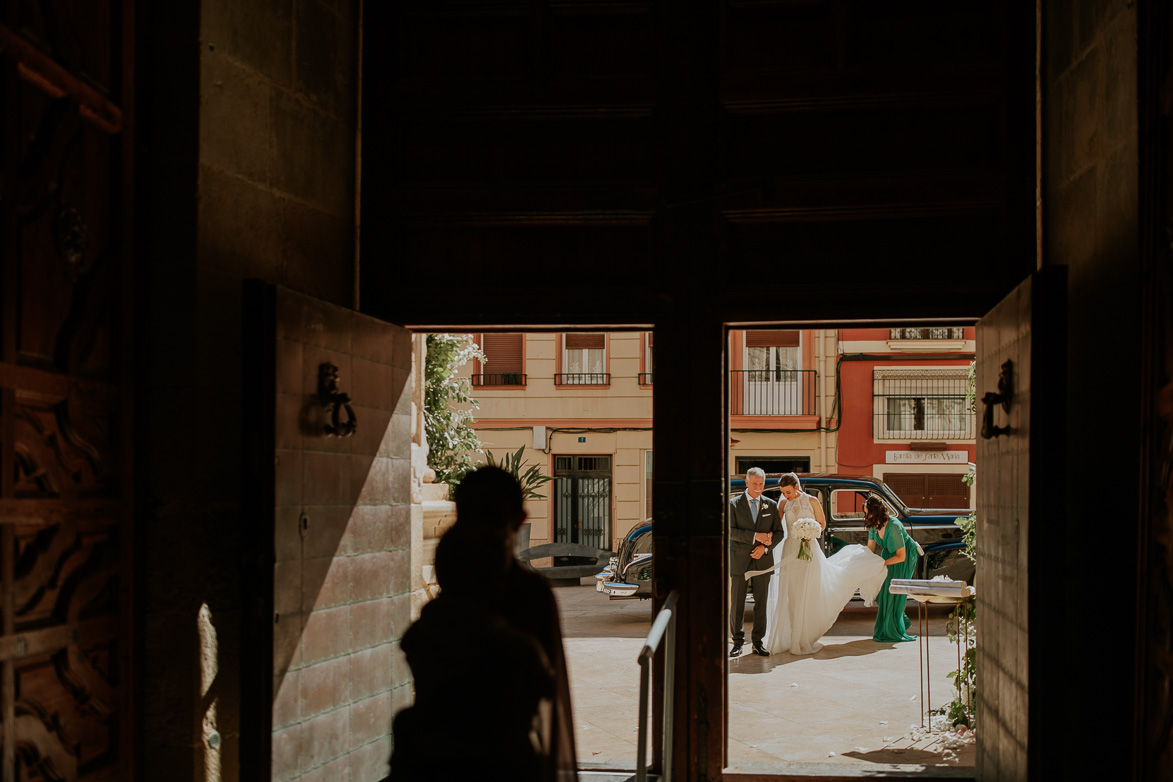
(342, 586)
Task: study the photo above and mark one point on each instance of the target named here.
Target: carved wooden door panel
(64, 391)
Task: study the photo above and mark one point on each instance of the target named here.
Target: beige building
(581, 404)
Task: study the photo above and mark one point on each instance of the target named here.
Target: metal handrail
(663, 627)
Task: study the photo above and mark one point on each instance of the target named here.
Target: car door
(844, 509)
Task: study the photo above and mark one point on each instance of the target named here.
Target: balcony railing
(645, 378)
(772, 391)
(499, 379)
(583, 379)
(947, 332)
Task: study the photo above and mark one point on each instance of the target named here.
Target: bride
(806, 595)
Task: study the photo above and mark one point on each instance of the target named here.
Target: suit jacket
(742, 529)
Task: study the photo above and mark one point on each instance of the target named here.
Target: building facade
(906, 418)
(580, 403)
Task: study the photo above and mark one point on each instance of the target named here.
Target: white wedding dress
(806, 596)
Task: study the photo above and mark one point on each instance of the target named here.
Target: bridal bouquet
(807, 530)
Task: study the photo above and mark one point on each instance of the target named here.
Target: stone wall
(246, 161)
(341, 581)
(1090, 201)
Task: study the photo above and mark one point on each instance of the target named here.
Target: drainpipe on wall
(823, 408)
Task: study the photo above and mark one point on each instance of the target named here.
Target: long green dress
(891, 621)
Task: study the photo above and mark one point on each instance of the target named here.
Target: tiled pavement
(856, 698)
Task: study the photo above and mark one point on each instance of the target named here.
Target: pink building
(905, 416)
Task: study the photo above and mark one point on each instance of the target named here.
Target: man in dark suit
(755, 528)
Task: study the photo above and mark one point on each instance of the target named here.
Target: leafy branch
(449, 407)
(530, 480)
(962, 710)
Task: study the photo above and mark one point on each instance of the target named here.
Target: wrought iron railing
(772, 391)
(499, 379)
(922, 404)
(645, 378)
(583, 379)
(945, 332)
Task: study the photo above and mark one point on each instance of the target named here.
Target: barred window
(921, 404)
(947, 332)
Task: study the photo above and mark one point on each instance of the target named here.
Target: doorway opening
(856, 413)
(573, 410)
(582, 499)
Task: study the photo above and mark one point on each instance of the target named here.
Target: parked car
(630, 572)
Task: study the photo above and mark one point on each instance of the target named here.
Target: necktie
(754, 505)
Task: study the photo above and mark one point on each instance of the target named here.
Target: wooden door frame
(258, 502)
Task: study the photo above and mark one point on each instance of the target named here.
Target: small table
(924, 592)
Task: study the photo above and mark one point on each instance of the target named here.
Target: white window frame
(582, 354)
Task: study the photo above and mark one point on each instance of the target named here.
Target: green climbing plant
(530, 480)
(963, 709)
(449, 407)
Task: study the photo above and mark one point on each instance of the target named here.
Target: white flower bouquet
(807, 530)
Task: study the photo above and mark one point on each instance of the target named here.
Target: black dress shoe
(736, 652)
(760, 650)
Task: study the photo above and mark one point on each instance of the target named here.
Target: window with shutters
(504, 364)
(584, 360)
(772, 381)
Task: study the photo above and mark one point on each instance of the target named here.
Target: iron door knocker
(333, 401)
(1001, 397)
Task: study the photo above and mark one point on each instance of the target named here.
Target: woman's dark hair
(489, 497)
(789, 479)
(875, 512)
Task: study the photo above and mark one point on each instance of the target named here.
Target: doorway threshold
(597, 775)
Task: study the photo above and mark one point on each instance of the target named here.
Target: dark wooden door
(1022, 557)
(64, 392)
(836, 149)
(582, 500)
(929, 490)
(328, 493)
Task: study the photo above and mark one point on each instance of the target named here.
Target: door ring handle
(1001, 397)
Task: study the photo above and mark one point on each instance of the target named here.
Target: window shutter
(502, 353)
(650, 335)
(778, 338)
(586, 341)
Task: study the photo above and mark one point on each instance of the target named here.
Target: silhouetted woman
(492, 693)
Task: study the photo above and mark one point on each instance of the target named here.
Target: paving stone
(850, 697)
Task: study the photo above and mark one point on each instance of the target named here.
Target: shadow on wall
(342, 542)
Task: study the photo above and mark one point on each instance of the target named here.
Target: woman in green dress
(888, 538)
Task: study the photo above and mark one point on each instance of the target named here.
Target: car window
(642, 545)
(848, 504)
